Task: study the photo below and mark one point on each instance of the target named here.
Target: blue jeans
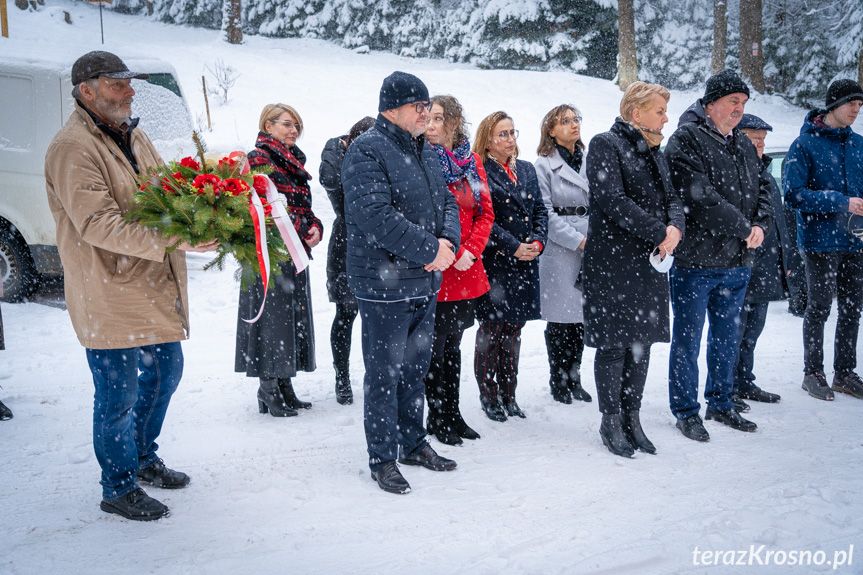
(397, 347)
(133, 388)
(719, 294)
(753, 316)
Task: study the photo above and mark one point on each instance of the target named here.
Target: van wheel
(19, 275)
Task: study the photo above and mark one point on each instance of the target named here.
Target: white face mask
(660, 264)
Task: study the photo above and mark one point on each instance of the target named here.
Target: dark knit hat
(753, 122)
(841, 92)
(94, 64)
(400, 88)
(724, 83)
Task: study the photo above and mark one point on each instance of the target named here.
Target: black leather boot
(287, 389)
(574, 367)
(457, 422)
(559, 390)
(438, 422)
(631, 421)
(270, 399)
(493, 410)
(613, 437)
(344, 393)
(5, 412)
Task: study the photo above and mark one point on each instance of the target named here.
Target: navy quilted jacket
(397, 205)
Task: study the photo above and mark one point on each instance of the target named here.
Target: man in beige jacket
(125, 294)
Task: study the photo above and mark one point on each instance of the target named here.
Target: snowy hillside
(268, 495)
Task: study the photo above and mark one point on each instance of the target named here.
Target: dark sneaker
(428, 458)
(160, 476)
(849, 383)
(136, 505)
(390, 479)
(740, 406)
(693, 428)
(755, 393)
(816, 384)
(5, 412)
(730, 418)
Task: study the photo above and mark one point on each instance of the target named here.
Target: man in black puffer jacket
(726, 195)
(403, 231)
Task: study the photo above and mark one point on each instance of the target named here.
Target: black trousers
(444, 375)
(828, 273)
(564, 343)
(753, 316)
(620, 376)
(340, 333)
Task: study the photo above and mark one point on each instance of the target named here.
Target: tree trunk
(232, 22)
(627, 71)
(751, 53)
(720, 36)
(860, 64)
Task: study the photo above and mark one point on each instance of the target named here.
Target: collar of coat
(812, 125)
(292, 159)
(565, 171)
(107, 133)
(403, 138)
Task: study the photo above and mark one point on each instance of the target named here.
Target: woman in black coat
(338, 291)
(634, 212)
(517, 238)
(282, 341)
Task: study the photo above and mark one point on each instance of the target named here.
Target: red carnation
(190, 162)
(260, 183)
(207, 179)
(235, 186)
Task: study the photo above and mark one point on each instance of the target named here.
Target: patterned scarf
(460, 164)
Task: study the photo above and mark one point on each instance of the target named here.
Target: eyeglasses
(420, 106)
(570, 120)
(288, 124)
(504, 136)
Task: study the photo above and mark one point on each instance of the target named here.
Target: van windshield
(165, 80)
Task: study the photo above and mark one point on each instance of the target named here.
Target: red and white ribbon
(286, 227)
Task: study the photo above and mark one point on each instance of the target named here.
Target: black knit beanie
(724, 83)
(400, 88)
(841, 92)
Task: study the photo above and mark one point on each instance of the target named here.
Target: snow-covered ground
(268, 495)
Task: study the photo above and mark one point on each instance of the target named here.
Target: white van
(36, 97)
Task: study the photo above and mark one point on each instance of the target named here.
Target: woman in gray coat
(560, 168)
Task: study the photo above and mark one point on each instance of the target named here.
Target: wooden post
(4, 22)
(206, 102)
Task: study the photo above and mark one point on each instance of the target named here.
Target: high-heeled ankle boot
(270, 399)
(631, 422)
(287, 389)
(613, 437)
(344, 393)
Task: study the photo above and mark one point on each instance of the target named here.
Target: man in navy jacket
(403, 231)
(824, 183)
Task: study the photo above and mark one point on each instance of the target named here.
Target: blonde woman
(636, 212)
(282, 341)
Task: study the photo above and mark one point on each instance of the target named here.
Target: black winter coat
(331, 179)
(519, 217)
(632, 202)
(769, 281)
(724, 190)
(397, 205)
